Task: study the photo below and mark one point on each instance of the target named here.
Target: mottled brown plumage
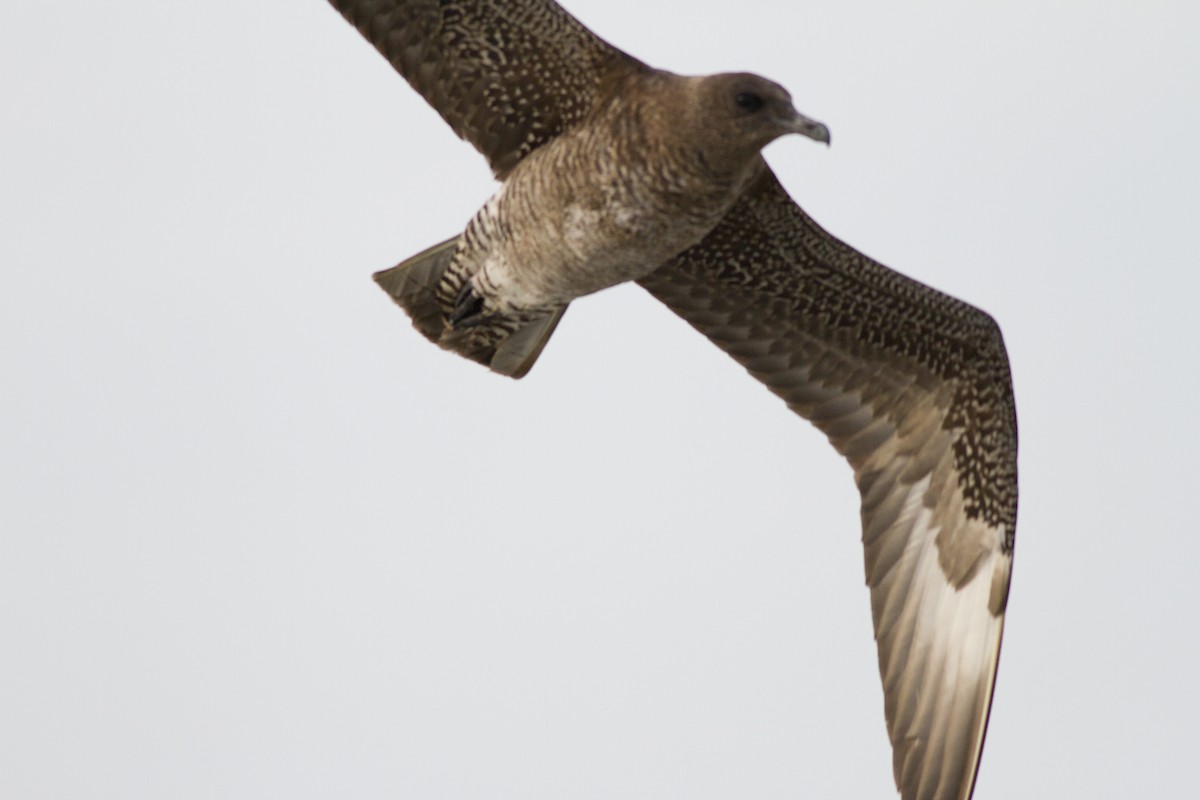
(614, 171)
(912, 387)
(507, 76)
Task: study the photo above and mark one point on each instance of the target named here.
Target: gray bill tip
(817, 131)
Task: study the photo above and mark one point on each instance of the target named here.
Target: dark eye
(748, 100)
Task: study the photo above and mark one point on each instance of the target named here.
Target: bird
(614, 171)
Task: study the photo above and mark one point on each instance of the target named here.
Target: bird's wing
(507, 76)
(913, 388)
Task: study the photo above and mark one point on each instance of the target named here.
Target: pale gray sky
(260, 539)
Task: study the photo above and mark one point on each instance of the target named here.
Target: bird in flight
(614, 171)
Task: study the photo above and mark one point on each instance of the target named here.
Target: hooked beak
(798, 123)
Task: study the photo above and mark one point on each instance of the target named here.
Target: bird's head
(740, 113)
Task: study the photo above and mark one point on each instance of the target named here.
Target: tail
(508, 345)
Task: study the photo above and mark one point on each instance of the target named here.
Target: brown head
(738, 114)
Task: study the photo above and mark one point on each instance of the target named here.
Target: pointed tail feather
(507, 345)
(413, 285)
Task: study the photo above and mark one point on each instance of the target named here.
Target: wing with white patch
(913, 388)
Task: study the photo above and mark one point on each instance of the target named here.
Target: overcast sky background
(258, 538)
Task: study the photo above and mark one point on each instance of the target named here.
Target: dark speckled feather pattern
(768, 249)
(615, 171)
(912, 387)
(506, 76)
